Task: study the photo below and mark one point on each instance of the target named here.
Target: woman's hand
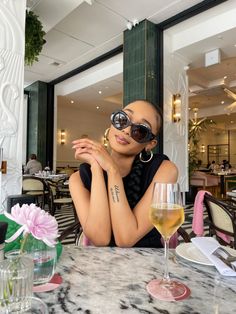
(80, 152)
(91, 151)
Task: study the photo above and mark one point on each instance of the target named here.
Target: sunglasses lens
(120, 121)
(139, 133)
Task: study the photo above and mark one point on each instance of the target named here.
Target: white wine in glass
(167, 215)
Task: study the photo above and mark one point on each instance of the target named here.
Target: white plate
(191, 253)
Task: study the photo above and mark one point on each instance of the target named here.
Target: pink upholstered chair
(205, 181)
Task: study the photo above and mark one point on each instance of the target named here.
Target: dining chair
(63, 189)
(37, 187)
(19, 199)
(230, 184)
(55, 200)
(75, 228)
(67, 170)
(205, 181)
(183, 234)
(221, 219)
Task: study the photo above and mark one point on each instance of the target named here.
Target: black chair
(184, 235)
(221, 219)
(19, 199)
(75, 227)
(62, 189)
(37, 187)
(55, 201)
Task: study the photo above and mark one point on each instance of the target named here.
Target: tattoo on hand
(115, 194)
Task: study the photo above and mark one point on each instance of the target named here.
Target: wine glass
(167, 215)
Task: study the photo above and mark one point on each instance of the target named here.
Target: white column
(176, 134)
(12, 43)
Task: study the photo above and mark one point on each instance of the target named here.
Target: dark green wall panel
(140, 63)
(143, 62)
(39, 117)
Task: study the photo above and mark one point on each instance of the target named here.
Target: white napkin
(207, 245)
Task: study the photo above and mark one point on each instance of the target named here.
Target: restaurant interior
(100, 98)
(210, 66)
(80, 78)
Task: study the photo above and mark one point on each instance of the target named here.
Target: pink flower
(34, 220)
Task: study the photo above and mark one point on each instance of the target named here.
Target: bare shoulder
(74, 177)
(168, 171)
(170, 165)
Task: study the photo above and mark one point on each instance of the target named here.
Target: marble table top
(113, 281)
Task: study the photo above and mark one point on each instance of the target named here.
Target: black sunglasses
(139, 132)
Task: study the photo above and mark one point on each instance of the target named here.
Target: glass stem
(166, 277)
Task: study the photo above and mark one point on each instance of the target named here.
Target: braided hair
(134, 183)
(133, 191)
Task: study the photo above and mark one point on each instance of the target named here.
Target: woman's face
(139, 112)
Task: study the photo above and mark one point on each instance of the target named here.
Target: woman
(112, 191)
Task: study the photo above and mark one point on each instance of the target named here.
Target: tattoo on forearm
(115, 191)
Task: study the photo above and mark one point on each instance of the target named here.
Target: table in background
(222, 176)
(52, 177)
(113, 281)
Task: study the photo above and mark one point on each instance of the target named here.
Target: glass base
(168, 291)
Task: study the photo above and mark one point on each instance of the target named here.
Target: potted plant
(34, 37)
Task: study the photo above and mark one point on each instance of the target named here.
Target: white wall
(76, 123)
(80, 122)
(176, 134)
(12, 43)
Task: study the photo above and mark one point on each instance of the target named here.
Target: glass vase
(44, 258)
(16, 283)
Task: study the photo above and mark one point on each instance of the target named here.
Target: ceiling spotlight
(129, 25)
(99, 92)
(72, 101)
(135, 22)
(97, 107)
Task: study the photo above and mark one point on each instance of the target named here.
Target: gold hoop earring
(145, 160)
(105, 137)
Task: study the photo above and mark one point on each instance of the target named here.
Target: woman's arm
(130, 226)
(92, 206)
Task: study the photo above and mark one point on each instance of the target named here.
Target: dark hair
(33, 156)
(134, 183)
(159, 116)
(135, 176)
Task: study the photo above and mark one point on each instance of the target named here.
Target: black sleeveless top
(153, 238)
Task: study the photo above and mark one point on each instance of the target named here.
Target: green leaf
(34, 38)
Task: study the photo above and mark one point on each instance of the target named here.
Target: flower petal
(16, 234)
(36, 221)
